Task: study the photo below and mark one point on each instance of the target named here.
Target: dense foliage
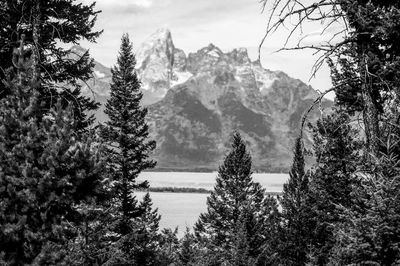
(42, 28)
(66, 199)
(47, 174)
(332, 180)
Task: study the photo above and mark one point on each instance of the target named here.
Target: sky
(194, 24)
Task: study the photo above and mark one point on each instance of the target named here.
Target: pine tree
(332, 182)
(39, 27)
(235, 195)
(296, 223)
(126, 134)
(146, 236)
(46, 174)
(369, 233)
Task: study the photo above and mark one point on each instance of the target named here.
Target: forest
(67, 185)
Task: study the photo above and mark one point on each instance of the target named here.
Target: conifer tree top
(238, 162)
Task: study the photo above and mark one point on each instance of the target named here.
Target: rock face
(195, 102)
(155, 60)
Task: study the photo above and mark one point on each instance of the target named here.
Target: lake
(183, 209)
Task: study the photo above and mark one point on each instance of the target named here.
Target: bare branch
(317, 101)
(327, 12)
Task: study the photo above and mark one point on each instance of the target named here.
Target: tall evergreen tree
(296, 224)
(236, 195)
(40, 26)
(126, 134)
(337, 150)
(46, 175)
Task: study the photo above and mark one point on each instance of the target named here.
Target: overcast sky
(196, 23)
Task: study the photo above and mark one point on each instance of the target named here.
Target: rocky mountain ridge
(196, 101)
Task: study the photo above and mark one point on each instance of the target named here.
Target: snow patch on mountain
(242, 72)
(99, 74)
(264, 78)
(180, 77)
(213, 53)
(144, 87)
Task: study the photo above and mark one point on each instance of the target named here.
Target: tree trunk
(370, 112)
(35, 37)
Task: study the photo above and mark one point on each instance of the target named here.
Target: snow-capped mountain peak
(155, 61)
(157, 44)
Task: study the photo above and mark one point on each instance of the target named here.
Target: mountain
(196, 101)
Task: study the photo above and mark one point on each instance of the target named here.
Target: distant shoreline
(189, 190)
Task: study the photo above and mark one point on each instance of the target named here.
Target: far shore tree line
(68, 187)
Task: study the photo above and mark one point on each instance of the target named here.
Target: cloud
(316, 39)
(142, 3)
(321, 37)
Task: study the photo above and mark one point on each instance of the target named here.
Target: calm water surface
(178, 209)
(183, 209)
